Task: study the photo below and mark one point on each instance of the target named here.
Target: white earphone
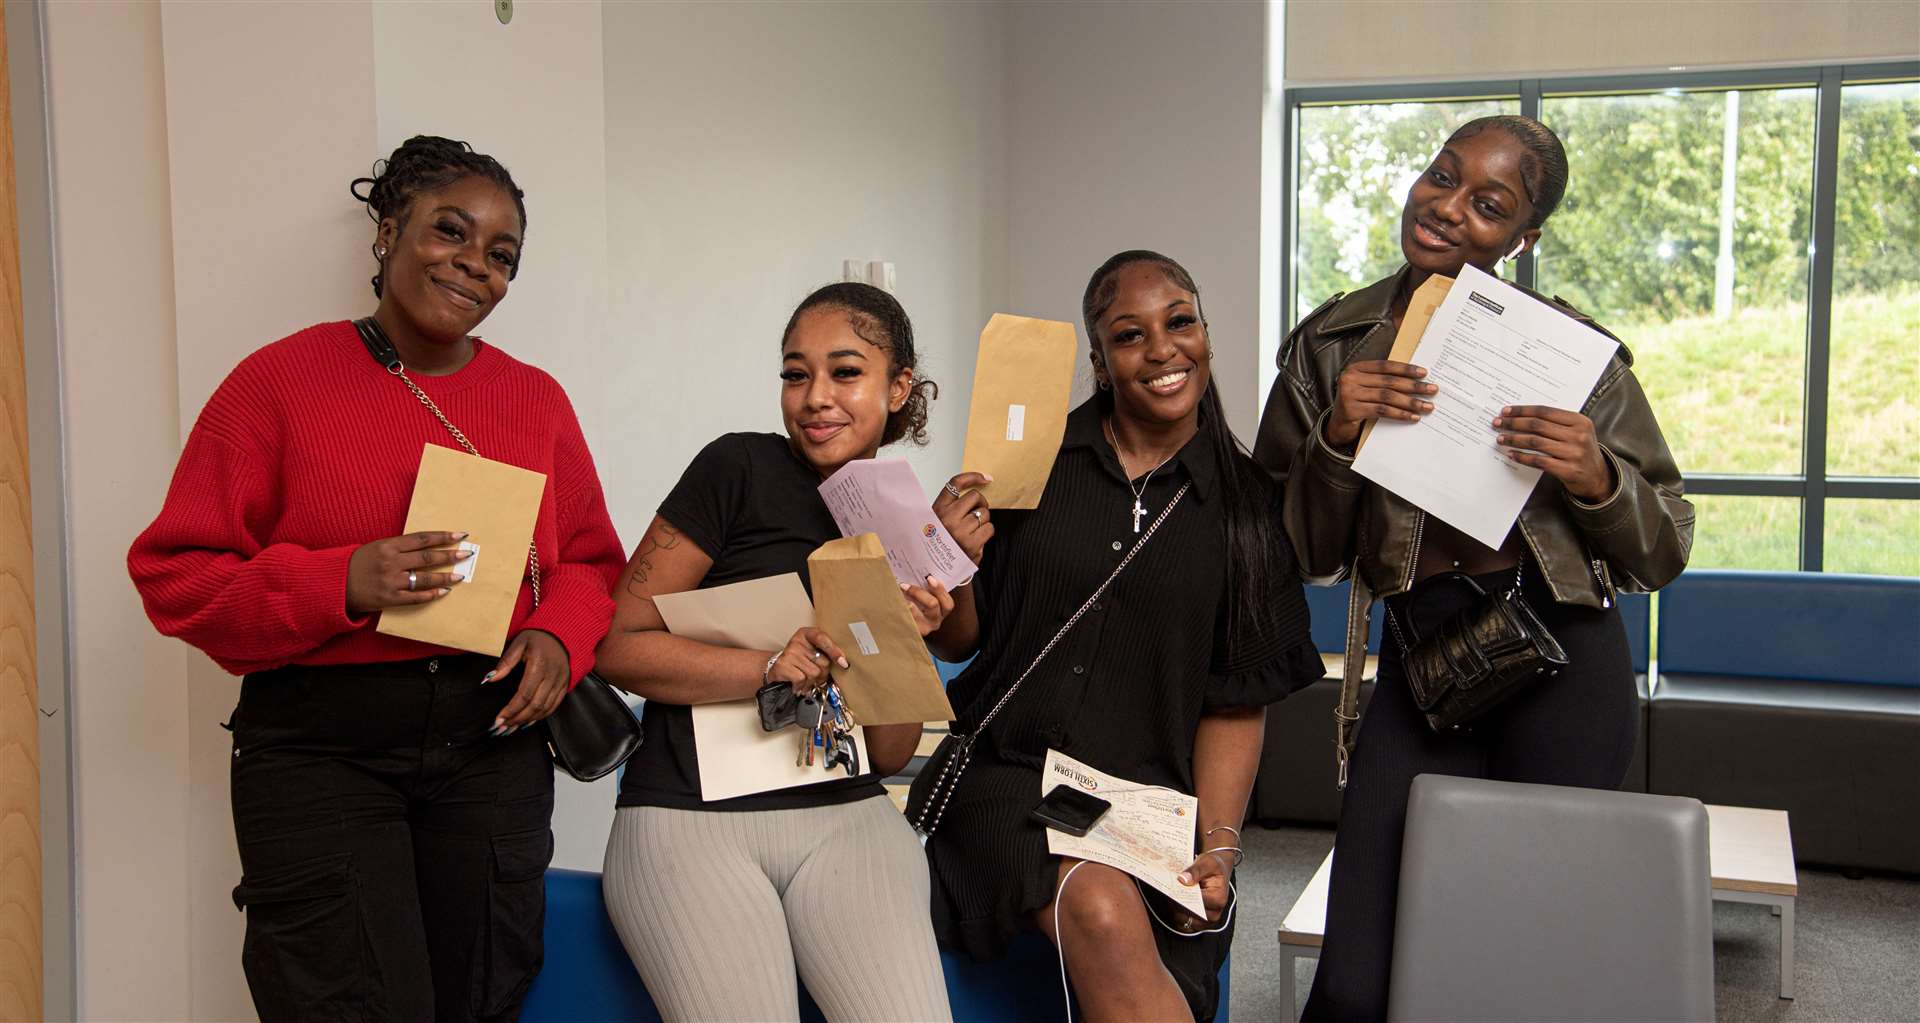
(1517, 249)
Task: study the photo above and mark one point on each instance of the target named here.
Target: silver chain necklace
(1139, 510)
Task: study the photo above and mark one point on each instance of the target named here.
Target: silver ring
(955, 493)
(977, 514)
(818, 656)
(411, 580)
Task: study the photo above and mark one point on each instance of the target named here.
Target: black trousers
(1576, 728)
(393, 853)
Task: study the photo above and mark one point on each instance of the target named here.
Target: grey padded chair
(1538, 902)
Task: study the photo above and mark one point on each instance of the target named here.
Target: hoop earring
(1102, 383)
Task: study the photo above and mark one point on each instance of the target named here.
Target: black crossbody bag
(1479, 657)
(593, 731)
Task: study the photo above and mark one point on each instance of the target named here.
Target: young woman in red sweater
(392, 808)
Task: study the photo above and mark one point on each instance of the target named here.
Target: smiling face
(1470, 206)
(449, 258)
(1152, 347)
(836, 390)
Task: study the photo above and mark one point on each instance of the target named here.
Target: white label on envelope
(864, 637)
(463, 570)
(1016, 422)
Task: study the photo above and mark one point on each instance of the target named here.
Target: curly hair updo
(879, 321)
(427, 163)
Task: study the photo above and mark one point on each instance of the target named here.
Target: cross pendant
(1137, 513)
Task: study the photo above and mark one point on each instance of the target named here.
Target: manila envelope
(856, 600)
(496, 505)
(735, 756)
(1420, 309)
(1022, 381)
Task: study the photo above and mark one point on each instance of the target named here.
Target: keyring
(955, 493)
(410, 582)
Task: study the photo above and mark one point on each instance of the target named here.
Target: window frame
(1813, 486)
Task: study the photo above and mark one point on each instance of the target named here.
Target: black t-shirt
(754, 506)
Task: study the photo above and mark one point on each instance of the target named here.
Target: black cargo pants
(393, 853)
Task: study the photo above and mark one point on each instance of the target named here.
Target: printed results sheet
(1148, 833)
(1489, 345)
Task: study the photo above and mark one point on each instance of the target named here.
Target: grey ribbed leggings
(718, 910)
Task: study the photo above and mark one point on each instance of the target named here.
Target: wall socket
(877, 272)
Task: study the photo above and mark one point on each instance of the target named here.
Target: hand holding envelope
(1022, 380)
(890, 679)
(496, 504)
(883, 496)
(735, 756)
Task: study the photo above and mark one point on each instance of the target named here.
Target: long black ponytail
(1259, 560)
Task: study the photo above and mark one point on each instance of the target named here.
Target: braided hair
(1259, 559)
(1543, 164)
(427, 163)
(879, 320)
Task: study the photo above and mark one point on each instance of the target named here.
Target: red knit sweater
(307, 451)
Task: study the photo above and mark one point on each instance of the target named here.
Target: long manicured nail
(988, 478)
(499, 725)
(462, 554)
(460, 536)
(904, 586)
(488, 677)
(1186, 878)
(841, 661)
(442, 591)
(1507, 411)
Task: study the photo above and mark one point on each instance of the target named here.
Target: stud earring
(380, 254)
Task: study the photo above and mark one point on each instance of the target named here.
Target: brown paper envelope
(1420, 309)
(891, 679)
(735, 756)
(495, 504)
(1022, 381)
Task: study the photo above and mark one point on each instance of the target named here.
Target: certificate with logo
(1148, 832)
(883, 496)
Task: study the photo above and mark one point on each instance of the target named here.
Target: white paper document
(736, 757)
(883, 496)
(1148, 833)
(1489, 345)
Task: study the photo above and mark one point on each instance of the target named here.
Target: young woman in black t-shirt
(719, 903)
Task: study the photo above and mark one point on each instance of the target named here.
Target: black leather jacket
(1636, 539)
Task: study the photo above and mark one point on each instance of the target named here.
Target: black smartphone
(1070, 810)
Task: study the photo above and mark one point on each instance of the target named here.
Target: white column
(1729, 160)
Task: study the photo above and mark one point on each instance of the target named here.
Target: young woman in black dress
(1164, 680)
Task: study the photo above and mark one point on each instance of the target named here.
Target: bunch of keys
(828, 727)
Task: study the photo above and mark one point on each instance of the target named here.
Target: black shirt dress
(1123, 692)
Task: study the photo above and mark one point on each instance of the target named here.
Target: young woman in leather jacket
(1608, 514)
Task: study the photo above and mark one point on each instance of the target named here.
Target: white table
(1749, 853)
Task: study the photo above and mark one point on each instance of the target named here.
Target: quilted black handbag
(1479, 657)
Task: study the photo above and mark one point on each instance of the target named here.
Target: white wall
(129, 706)
(750, 149)
(1138, 126)
(1333, 41)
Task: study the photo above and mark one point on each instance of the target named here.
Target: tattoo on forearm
(664, 538)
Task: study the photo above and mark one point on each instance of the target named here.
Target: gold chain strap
(533, 550)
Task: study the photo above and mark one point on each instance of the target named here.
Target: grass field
(1730, 397)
